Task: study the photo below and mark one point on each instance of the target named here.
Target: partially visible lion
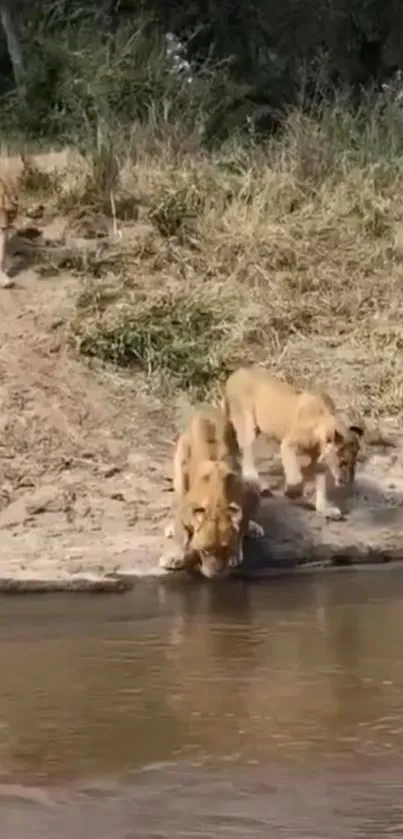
(315, 442)
(214, 504)
(8, 214)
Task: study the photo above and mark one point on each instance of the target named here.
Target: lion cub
(315, 442)
(8, 214)
(214, 504)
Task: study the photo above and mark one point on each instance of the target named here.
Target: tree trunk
(13, 46)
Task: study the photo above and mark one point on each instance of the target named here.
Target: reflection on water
(205, 702)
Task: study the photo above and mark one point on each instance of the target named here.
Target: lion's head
(339, 451)
(213, 521)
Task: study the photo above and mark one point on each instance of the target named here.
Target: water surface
(266, 709)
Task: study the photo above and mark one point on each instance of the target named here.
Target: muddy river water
(217, 711)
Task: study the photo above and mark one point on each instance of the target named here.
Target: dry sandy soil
(85, 459)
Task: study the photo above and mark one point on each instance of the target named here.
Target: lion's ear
(235, 511)
(356, 429)
(335, 437)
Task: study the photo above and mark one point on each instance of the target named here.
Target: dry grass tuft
(289, 255)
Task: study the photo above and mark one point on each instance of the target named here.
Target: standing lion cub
(314, 441)
(8, 214)
(214, 504)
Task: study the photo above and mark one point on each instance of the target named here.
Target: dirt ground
(81, 483)
(85, 459)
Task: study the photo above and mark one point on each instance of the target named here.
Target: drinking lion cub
(214, 504)
(315, 443)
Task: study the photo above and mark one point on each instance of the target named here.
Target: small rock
(45, 499)
(111, 471)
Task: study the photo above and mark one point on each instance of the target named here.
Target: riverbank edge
(124, 580)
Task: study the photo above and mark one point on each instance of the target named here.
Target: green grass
(173, 336)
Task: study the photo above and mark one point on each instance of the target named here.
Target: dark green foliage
(91, 63)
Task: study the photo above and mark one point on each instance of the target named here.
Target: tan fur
(8, 214)
(214, 504)
(315, 442)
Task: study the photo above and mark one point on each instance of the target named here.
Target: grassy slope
(289, 254)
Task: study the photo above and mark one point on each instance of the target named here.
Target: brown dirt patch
(85, 451)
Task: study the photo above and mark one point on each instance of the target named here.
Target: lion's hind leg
(5, 280)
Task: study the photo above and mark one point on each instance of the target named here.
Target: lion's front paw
(255, 530)
(329, 511)
(236, 558)
(171, 562)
